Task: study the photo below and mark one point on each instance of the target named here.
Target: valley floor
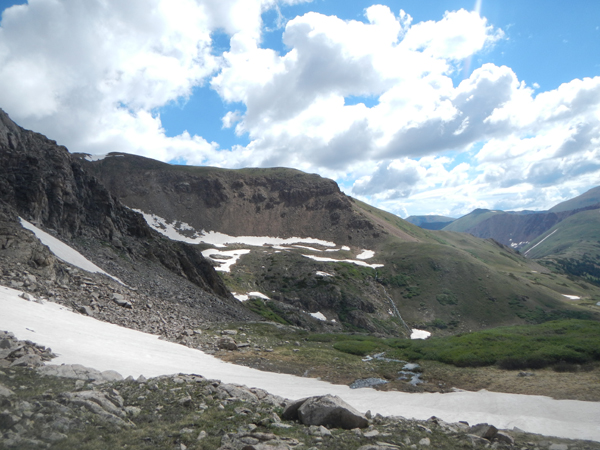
(582, 385)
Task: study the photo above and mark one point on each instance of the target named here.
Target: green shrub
(411, 291)
(360, 348)
(395, 281)
(447, 298)
(267, 310)
(438, 323)
(319, 337)
(511, 348)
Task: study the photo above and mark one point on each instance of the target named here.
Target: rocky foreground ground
(73, 407)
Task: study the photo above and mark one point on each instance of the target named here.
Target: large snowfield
(78, 339)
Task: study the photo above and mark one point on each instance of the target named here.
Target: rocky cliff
(247, 202)
(44, 184)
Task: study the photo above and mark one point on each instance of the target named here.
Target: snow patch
(319, 315)
(540, 241)
(312, 249)
(571, 297)
(351, 261)
(249, 295)
(173, 231)
(230, 257)
(322, 274)
(419, 334)
(366, 254)
(184, 232)
(95, 157)
(519, 244)
(64, 252)
(79, 339)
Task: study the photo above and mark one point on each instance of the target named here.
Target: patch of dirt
(582, 385)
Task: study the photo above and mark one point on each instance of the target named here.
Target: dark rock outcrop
(44, 184)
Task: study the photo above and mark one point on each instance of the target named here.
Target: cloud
(457, 36)
(93, 74)
(298, 100)
(461, 120)
(396, 178)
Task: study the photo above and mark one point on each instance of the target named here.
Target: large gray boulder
(483, 430)
(79, 372)
(5, 392)
(327, 410)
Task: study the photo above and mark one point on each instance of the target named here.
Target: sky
(416, 107)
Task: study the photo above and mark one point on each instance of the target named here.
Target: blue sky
(547, 43)
(417, 107)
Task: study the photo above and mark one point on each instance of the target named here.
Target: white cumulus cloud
(373, 103)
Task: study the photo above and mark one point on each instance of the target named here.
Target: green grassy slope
(441, 281)
(470, 220)
(574, 237)
(588, 198)
(393, 222)
(572, 247)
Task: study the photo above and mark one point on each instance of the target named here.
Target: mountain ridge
(335, 263)
(410, 275)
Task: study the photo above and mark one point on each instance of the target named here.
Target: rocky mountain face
(44, 184)
(408, 277)
(299, 250)
(248, 202)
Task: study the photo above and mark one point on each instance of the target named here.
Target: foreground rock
(328, 410)
(22, 353)
(79, 372)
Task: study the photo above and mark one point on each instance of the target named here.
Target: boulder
(291, 411)
(327, 410)
(227, 343)
(5, 392)
(79, 372)
(85, 310)
(558, 447)
(120, 300)
(484, 431)
(505, 438)
(237, 392)
(28, 361)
